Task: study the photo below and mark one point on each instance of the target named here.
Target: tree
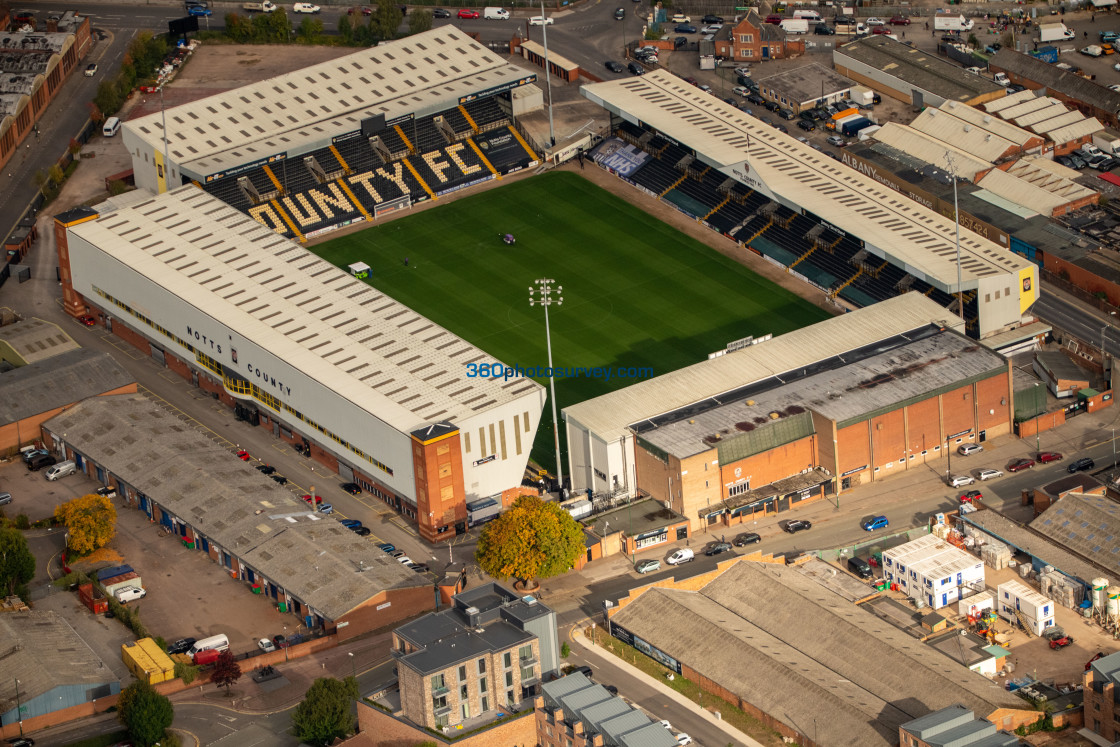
(325, 712)
(385, 22)
(17, 564)
(346, 29)
(226, 671)
(420, 21)
(533, 539)
(310, 29)
(90, 520)
(144, 713)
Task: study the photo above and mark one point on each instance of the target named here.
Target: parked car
(181, 646)
(468, 13)
(387, 547)
(613, 66)
(680, 18)
(350, 523)
(326, 508)
(361, 531)
(970, 496)
(266, 645)
(823, 29)
(351, 487)
(797, 525)
(648, 566)
(1045, 457)
(266, 469)
(754, 98)
(440, 13)
(747, 538)
(635, 68)
(717, 548)
(683, 739)
(685, 28)
(1021, 464)
(91, 70)
(619, 14)
(305, 8)
(875, 522)
(106, 491)
(318, 499)
(900, 21)
(969, 449)
(682, 555)
(711, 19)
(243, 455)
(279, 479)
(786, 114)
(540, 21)
(836, 140)
(366, 10)
(714, 28)
(875, 22)
(989, 474)
(806, 125)
(1060, 641)
(199, 10)
(959, 481)
(1080, 465)
(32, 453)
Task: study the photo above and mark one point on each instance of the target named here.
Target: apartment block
(932, 571)
(484, 655)
(1102, 697)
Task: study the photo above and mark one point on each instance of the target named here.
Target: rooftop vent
(987, 118)
(968, 128)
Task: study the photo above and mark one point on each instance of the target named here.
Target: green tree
(226, 671)
(17, 564)
(239, 28)
(310, 29)
(346, 29)
(385, 21)
(533, 539)
(89, 520)
(107, 99)
(325, 712)
(144, 713)
(419, 21)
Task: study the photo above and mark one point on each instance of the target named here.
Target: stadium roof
(59, 381)
(909, 370)
(312, 556)
(805, 655)
(609, 415)
(36, 339)
(1057, 79)
(892, 225)
(1087, 524)
(426, 72)
(919, 68)
(370, 349)
(807, 83)
(932, 150)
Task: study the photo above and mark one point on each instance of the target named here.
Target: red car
(1020, 464)
(318, 499)
(1045, 457)
(899, 21)
(87, 320)
(774, 19)
(881, 30)
(243, 455)
(468, 13)
(365, 10)
(970, 496)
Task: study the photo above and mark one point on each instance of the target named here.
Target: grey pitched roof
(956, 726)
(1061, 366)
(1057, 79)
(1089, 525)
(1108, 667)
(1032, 542)
(57, 382)
(43, 652)
(36, 339)
(310, 555)
(799, 652)
(600, 712)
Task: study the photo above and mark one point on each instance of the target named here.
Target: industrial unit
(1023, 606)
(933, 572)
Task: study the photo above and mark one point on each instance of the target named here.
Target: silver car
(969, 449)
(989, 474)
(957, 481)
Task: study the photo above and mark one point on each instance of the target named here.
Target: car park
(959, 481)
(613, 66)
(440, 13)
(540, 20)
(989, 474)
(747, 538)
(683, 555)
(648, 566)
(797, 525)
(969, 449)
(717, 548)
(1080, 465)
(875, 522)
(1045, 457)
(351, 487)
(970, 496)
(468, 13)
(635, 68)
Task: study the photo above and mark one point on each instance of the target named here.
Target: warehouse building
(976, 132)
(329, 364)
(1068, 129)
(31, 341)
(813, 412)
(956, 726)
(914, 76)
(933, 572)
(802, 88)
(791, 651)
(311, 566)
(1089, 97)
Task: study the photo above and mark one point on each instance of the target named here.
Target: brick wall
(383, 730)
(403, 604)
(135, 339)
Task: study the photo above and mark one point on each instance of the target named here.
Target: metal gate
(346, 472)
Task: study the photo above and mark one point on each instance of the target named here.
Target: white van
(213, 643)
(495, 14)
(682, 555)
(111, 127)
(62, 469)
(130, 594)
(809, 15)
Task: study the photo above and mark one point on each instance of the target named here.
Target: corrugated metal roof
(947, 127)
(931, 150)
(430, 70)
(1076, 130)
(1056, 78)
(373, 351)
(36, 339)
(776, 433)
(1010, 100)
(985, 121)
(917, 68)
(1053, 167)
(1053, 118)
(1037, 188)
(609, 415)
(1087, 524)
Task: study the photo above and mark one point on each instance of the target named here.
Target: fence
(1080, 294)
(873, 547)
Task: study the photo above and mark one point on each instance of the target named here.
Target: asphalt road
(1069, 317)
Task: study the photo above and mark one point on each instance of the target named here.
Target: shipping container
(147, 661)
(115, 570)
(116, 583)
(92, 598)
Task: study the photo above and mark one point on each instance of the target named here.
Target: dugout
(558, 65)
(359, 270)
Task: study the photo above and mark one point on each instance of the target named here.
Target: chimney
(52, 25)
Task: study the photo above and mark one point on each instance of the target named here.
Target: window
(507, 660)
(482, 688)
(482, 666)
(439, 702)
(441, 720)
(525, 652)
(485, 704)
(437, 682)
(527, 673)
(465, 708)
(509, 697)
(509, 681)
(463, 693)
(463, 673)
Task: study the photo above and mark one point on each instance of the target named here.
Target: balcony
(438, 691)
(441, 711)
(528, 662)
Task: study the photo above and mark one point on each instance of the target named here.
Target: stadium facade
(198, 277)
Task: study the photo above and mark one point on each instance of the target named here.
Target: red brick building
(1102, 698)
(751, 40)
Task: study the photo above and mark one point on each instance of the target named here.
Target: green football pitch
(637, 293)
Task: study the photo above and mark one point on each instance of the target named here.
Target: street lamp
(957, 221)
(1037, 446)
(543, 297)
(353, 672)
(547, 77)
(19, 709)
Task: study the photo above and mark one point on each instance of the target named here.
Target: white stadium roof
(425, 72)
(609, 415)
(354, 340)
(738, 144)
